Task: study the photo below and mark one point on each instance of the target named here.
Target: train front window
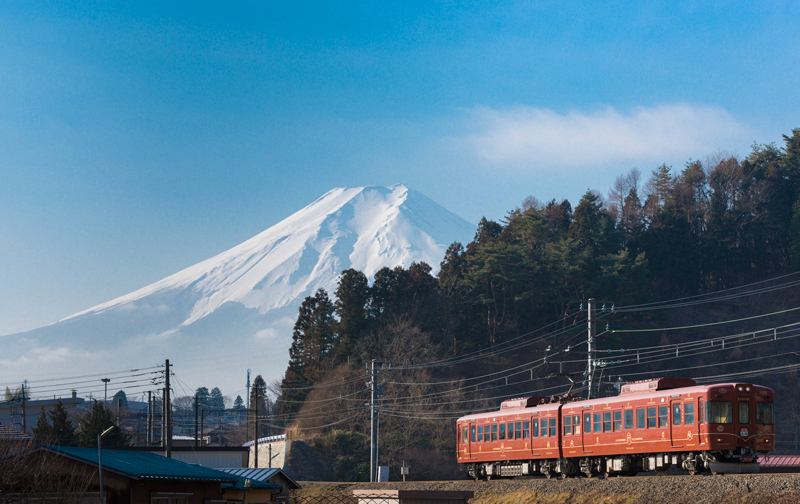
(567, 425)
(719, 412)
(598, 422)
(535, 428)
(629, 419)
(765, 413)
(525, 431)
(688, 417)
(553, 427)
(676, 414)
(744, 412)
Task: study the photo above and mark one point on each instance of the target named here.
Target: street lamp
(100, 463)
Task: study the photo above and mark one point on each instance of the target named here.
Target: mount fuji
(236, 310)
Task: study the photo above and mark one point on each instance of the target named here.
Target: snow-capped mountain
(236, 310)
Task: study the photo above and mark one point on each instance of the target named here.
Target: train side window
(502, 431)
(702, 413)
(567, 425)
(607, 421)
(629, 419)
(472, 434)
(744, 412)
(587, 422)
(663, 416)
(494, 432)
(598, 422)
(676, 414)
(652, 419)
(511, 430)
(544, 427)
(688, 414)
(721, 412)
(535, 428)
(617, 421)
(463, 435)
(525, 430)
(480, 433)
(765, 413)
(576, 420)
(519, 435)
(640, 419)
(553, 427)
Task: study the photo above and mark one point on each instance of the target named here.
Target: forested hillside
(507, 311)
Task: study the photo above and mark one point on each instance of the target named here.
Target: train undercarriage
(741, 460)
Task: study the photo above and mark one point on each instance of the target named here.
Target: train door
(586, 430)
(676, 424)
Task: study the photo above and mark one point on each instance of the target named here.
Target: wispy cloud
(542, 137)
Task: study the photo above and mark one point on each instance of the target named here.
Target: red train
(650, 426)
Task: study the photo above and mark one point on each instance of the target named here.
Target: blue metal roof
(259, 473)
(145, 465)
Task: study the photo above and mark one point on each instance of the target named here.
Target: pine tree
(203, 398)
(352, 297)
(258, 407)
(95, 422)
(215, 399)
(43, 432)
(238, 403)
(63, 429)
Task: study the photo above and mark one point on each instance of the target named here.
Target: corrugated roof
(145, 465)
(259, 473)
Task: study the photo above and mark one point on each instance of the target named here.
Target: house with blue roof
(132, 477)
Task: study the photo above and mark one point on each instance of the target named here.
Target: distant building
(24, 414)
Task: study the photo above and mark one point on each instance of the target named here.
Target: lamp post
(100, 463)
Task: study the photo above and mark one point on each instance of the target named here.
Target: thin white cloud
(544, 138)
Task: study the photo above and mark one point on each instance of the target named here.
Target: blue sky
(137, 139)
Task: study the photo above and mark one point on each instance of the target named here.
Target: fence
(383, 497)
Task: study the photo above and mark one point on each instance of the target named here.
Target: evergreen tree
(203, 398)
(258, 407)
(64, 433)
(352, 297)
(238, 403)
(95, 422)
(43, 432)
(215, 399)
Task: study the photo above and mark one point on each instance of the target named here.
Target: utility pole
(149, 417)
(105, 384)
(24, 414)
(255, 426)
(590, 353)
(195, 420)
(373, 403)
(248, 389)
(167, 411)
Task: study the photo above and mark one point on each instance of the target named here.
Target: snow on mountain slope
(247, 297)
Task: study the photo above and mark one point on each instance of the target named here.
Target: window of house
(480, 433)
(617, 421)
(598, 422)
(629, 419)
(688, 414)
(607, 421)
(553, 427)
(652, 419)
(535, 427)
(676, 414)
(663, 416)
(744, 412)
(765, 413)
(525, 430)
(494, 432)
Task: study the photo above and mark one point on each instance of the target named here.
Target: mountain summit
(236, 310)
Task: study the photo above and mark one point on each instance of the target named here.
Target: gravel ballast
(755, 488)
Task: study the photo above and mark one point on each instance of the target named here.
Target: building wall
(280, 449)
(214, 460)
(11, 413)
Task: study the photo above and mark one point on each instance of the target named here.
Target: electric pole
(24, 413)
(149, 417)
(167, 412)
(373, 452)
(105, 393)
(248, 389)
(255, 426)
(590, 353)
(195, 419)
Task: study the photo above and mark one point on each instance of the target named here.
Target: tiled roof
(144, 465)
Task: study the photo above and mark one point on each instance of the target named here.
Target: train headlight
(747, 389)
(740, 389)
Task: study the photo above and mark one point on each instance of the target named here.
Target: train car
(650, 426)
